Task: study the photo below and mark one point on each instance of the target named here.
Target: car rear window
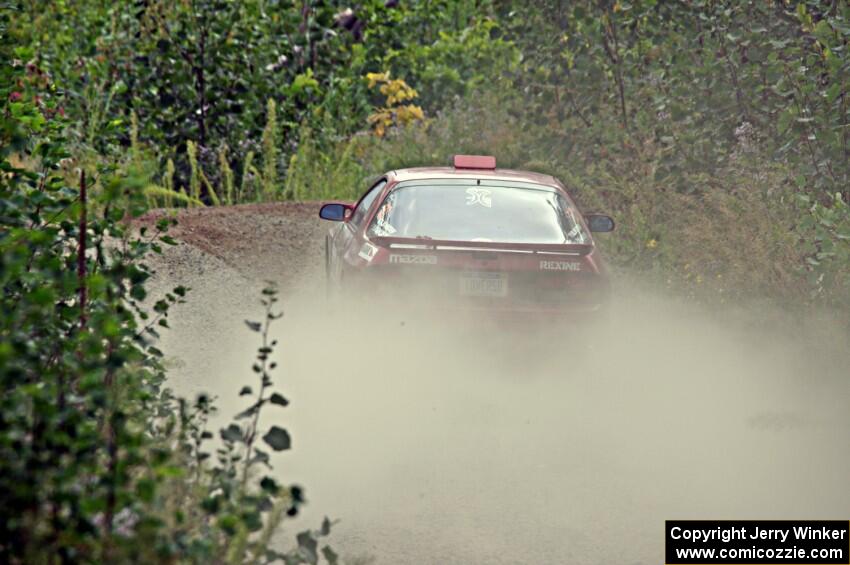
(496, 211)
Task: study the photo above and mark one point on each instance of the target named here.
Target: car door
(346, 235)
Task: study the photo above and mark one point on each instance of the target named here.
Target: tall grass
(226, 175)
(249, 176)
(269, 181)
(168, 183)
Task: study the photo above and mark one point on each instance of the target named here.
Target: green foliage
(701, 75)
(826, 230)
(78, 370)
(202, 75)
(695, 94)
(456, 64)
(231, 508)
(98, 460)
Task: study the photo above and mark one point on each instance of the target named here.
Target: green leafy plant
(230, 509)
(100, 462)
(78, 369)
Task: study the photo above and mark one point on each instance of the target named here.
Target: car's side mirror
(599, 222)
(335, 212)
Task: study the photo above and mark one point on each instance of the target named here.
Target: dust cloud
(447, 439)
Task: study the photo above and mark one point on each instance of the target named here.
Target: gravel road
(454, 442)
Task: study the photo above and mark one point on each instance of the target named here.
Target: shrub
(98, 462)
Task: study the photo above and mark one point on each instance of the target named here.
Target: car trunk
(491, 274)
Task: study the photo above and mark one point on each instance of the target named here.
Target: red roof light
(474, 162)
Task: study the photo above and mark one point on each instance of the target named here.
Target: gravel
(451, 445)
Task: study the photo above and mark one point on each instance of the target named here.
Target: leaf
(247, 412)
(254, 326)
(145, 489)
(272, 556)
(308, 546)
(302, 82)
(245, 390)
(269, 485)
(228, 524)
(326, 527)
(823, 31)
(279, 400)
(211, 505)
(260, 456)
(784, 120)
(297, 494)
(138, 292)
(232, 433)
(278, 439)
(329, 554)
(253, 521)
(832, 92)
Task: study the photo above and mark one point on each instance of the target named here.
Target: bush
(99, 462)
(196, 79)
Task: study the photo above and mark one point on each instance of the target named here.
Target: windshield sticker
(479, 196)
(414, 259)
(576, 235)
(560, 265)
(368, 251)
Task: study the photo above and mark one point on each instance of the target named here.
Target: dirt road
(449, 442)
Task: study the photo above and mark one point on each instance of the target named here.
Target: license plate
(484, 284)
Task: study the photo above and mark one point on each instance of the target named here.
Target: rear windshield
(500, 212)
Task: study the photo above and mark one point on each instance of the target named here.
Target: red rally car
(472, 235)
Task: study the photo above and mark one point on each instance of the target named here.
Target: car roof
(422, 173)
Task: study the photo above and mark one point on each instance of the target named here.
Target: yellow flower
(393, 113)
(651, 244)
(375, 78)
(409, 113)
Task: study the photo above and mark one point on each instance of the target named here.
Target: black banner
(762, 542)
